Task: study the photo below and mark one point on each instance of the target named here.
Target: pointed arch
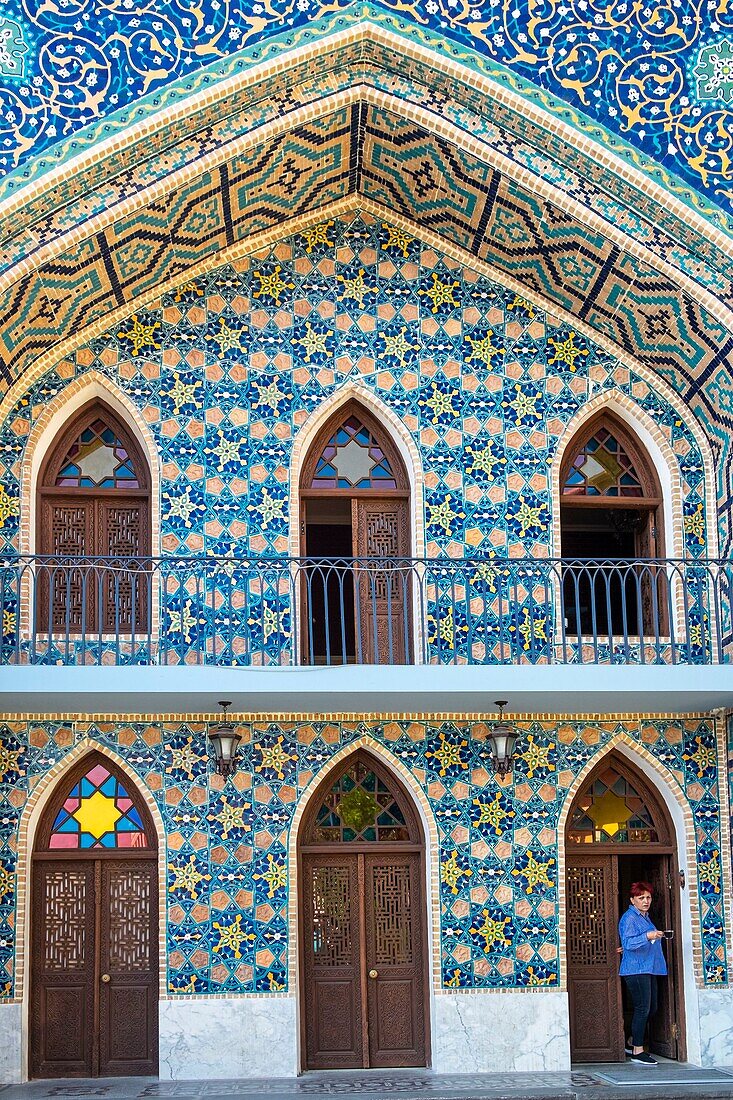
(668, 791)
(429, 829)
(49, 426)
(362, 896)
(405, 445)
(30, 820)
(637, 424)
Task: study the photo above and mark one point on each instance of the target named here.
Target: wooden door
(382, 596)
(364, 993)
(63, 969)
(596, 1020)
(394, 961)
(94, 972)
(333, 962)
(663, 1026)
(128, 961)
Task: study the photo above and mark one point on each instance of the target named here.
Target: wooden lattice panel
(332, 933)
(65, 920)
(392, 923)
(586, 915)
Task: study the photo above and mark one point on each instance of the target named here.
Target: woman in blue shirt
(642, 962)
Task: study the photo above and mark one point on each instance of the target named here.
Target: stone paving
(596, 1082)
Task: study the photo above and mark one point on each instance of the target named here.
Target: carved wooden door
(663, 1027)
(333, 962)
(596, 1020)
(382, 595)
(364, 962)
(94, 967)
(394, 960)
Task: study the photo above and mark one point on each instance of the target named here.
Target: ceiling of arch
(657, 76)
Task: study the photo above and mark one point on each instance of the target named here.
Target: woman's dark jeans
(643, 991)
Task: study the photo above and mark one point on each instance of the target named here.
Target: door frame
(667, 847)
(419, 846)
(35, 828)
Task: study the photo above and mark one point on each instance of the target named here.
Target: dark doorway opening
(598, 598)
(618, 832)
(663, 1033)
(330, 581)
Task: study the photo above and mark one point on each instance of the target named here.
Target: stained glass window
(603, 468)
(359, 806)
(97, 460)
(98, 813)
(611, 811)
(353, 459)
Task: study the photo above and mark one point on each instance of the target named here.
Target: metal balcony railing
(308, 611)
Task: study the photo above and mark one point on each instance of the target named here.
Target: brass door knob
(105, 977)
(373, 973)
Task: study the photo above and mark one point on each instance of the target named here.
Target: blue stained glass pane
(109, 437)
(86, 840)
(124, 825)
(109, 787)
(87, 435)
(134, 816)
(87, 788)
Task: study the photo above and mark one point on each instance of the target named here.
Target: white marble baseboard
(11, 1070)
(500, 1032)
(715, 1007)
(228, 1038)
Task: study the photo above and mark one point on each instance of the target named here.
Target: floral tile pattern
(226, 370)
(662, 83)
(227, 842)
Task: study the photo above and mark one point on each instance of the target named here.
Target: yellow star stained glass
(609, 813)
(97, 815)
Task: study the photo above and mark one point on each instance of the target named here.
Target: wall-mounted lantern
(225, 739)
(502, 738)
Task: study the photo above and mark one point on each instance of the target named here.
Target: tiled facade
(484, 224)
(496, 848)
(229, 369)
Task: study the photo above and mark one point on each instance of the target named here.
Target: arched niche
(363, 964)
(355, 511)
(611, 511)
(93, 527)
(618, 830)
(94, 928)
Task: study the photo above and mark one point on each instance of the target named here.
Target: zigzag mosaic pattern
(483, 381)
(227, 854)
(661, 83)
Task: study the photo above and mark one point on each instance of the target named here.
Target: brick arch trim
(30, 820)
(662, 456)
(430, 834)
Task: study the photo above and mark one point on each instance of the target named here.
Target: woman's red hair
(639, 888)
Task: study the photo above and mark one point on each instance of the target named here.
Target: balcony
(260, 612)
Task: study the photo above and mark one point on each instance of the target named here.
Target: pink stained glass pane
(64, 840)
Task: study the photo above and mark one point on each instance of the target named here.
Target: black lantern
(225, 740)
(503, 738)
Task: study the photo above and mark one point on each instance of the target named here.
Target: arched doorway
(363, 914)
(611, 510)
(618, 831)
(355, 535)
(94, 504)
(94, 932)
